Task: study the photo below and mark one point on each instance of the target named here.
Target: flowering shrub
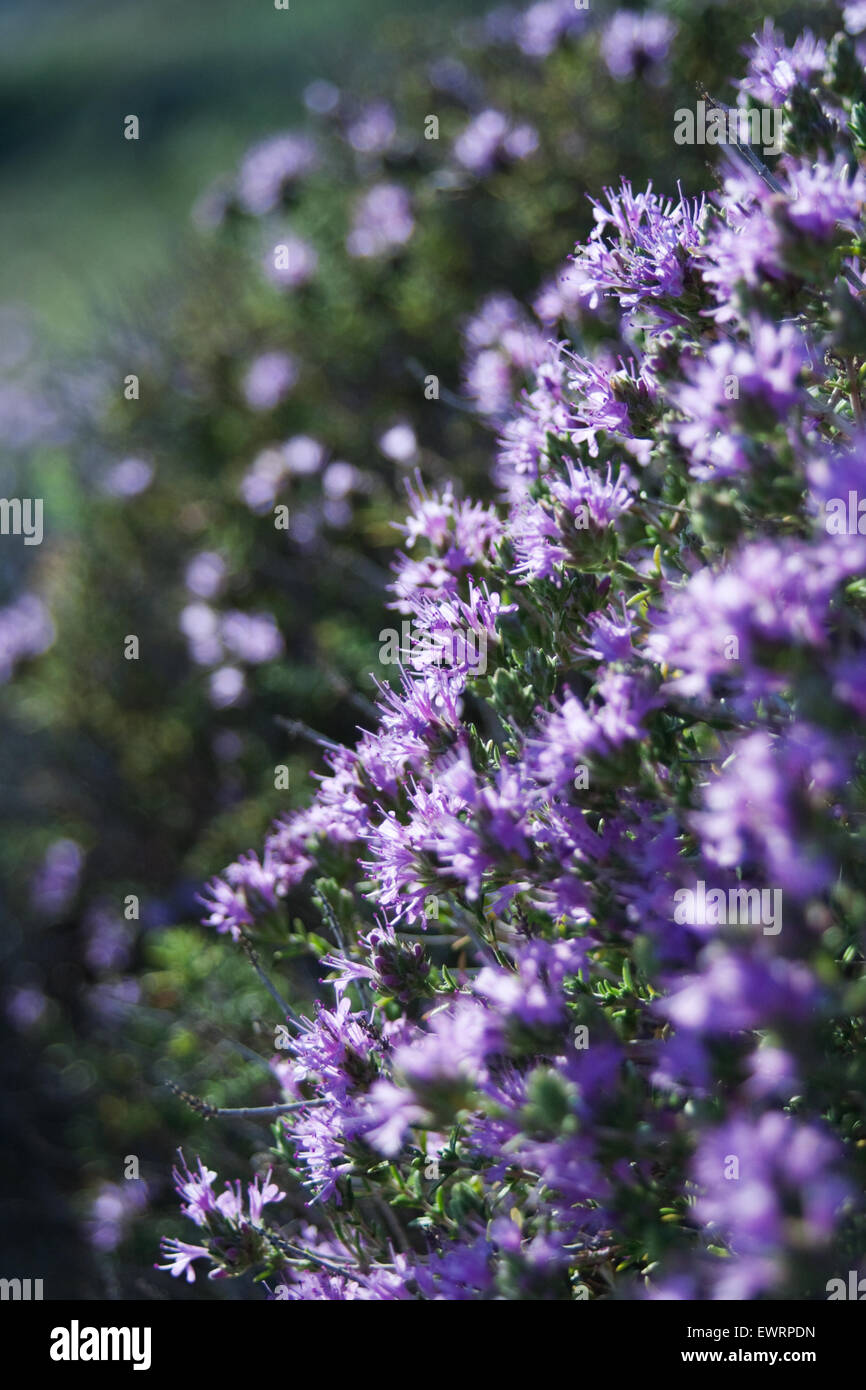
(275, 364)
(531, 1073)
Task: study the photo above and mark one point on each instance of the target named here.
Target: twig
(250, 953)
(854, 391)
(312, 1256)
(302, 730)
(418, 372)
(258, 1112)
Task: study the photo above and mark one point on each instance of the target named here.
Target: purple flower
(251, 637)
(321, 97)
(730, 623)
(550, 534)
(641, 251)
(465, 534)
(373, 131)
(200, 625)
(341, 479)
(205, 574)
(736, 389)
(541, 28)
(269, 380)
(490, 136)
(291, 262)
(395, 966)
(399, 443)
(677, 1287)
(744, 247)
(560, 298)
(128, 478)
(458, 1273)
(855, 16)
(226, 686)
(271, 167)
(734, 992)
(383, 221)
(438, 1071)
(339, 1050)
(533, 994)
(545, 409)
(626, 701)
(773, 1074)
(109, 943)
(196, 1189)
(758, 809)
(230, 1204)
(261, 483)
(501, 343)
(610, 636)
(759, 1174)
(56, 881)
(25, 1006)
(319, 1140)
(392, 1111)
(566, 736)
(228, 907)
(598, 396)
(635, 44)
(584, 493)
(494, 317)
(521, 141)
(181, 1258)
(775, 69)
(303, 456)
(113, 1210)
(823, 195)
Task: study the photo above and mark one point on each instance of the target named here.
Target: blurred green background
(88, 218)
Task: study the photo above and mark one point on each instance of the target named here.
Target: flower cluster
(536, 1077)
(237, 1235)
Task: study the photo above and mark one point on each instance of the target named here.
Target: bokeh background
(137, 780)
(89, 220)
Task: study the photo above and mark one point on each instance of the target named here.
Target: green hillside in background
(88, 217)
